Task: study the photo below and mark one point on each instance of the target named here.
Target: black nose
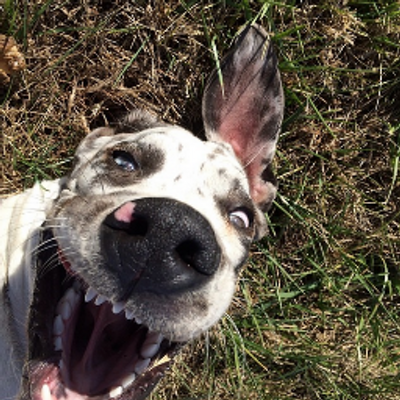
(159, 245)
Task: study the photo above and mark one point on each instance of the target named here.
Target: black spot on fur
(221, 171)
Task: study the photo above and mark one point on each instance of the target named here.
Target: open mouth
(82, 346)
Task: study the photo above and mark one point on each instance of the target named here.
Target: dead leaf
(11, 59)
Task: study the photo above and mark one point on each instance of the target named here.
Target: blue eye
(124, 160)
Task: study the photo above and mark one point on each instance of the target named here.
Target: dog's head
(151, 229)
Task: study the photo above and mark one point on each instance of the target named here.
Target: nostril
(138, 226)
(193, 253)
(188, 252)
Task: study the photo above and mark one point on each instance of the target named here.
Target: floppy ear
(243, 106)
(136, 121)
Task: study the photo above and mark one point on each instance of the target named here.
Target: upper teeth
(100, 300)
(90, 295)
(118, 307)
(70, 299)
(129, 315)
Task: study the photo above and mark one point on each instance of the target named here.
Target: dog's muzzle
(156, 251)
(159, 245)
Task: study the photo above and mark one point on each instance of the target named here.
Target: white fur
(20, 218)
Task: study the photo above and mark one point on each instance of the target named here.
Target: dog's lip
(43, 375)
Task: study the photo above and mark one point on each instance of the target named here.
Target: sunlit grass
(316, 311)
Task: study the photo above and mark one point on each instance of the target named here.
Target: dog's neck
(17, 273)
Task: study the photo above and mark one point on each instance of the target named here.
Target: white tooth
(138, 321)
(90, 295)
(153, 337)
(100, 299)
(128, 380)
(141, 365)
(57, 343)
(117, 391)
(151, 345)
(45, 393)
(58, 326)
(118, 307)
(65, 310)
(71, 296)
(129, 314)
(67, 303)
(150, 350)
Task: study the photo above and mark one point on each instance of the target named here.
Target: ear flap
(138, 120)
(135, 121)
(243, 106)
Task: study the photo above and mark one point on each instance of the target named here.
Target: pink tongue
(104, 350)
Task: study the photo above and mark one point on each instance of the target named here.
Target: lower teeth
(142, 365)
(128, 380)
(116, 391)
(45, 393)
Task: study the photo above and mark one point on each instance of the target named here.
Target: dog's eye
(124, 160)
(241, 218)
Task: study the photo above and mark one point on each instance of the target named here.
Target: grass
(316, 311)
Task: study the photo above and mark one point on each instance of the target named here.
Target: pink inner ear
(240, 126)
(249, 150)
(246, 110)
(239, 131)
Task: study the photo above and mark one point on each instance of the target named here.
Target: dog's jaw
(161, 264)
(88, 348)
(88, 271)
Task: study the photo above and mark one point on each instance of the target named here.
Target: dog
(108, 272)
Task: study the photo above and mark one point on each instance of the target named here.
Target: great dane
(106, 273)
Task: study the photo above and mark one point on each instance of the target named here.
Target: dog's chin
(87, 348)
